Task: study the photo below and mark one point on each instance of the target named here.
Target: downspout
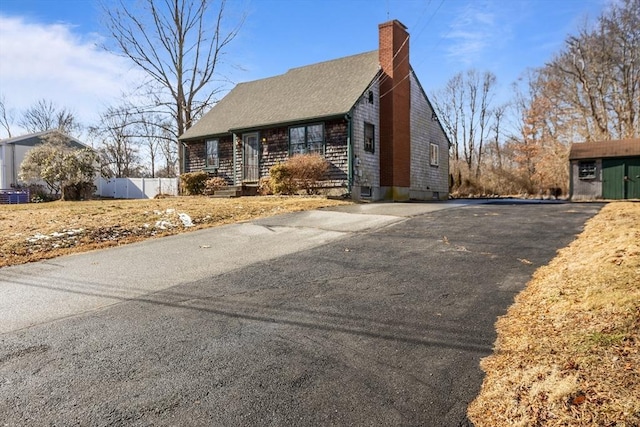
(3, 166)
(235, 154)
(14, 176)
(183, 157)
(349, 153)
(182, 167)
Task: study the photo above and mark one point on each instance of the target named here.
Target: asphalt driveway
(377, 315)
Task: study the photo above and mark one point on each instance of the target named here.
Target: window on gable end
(369, 138)
(434, 154)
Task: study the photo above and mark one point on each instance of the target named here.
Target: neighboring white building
(14, 150)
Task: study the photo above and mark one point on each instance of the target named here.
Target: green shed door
(621, 178)
(633, 178)
(613, 178)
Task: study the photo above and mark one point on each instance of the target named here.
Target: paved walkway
(41, 292)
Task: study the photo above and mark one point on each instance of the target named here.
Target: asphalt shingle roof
(604, 149)
(324, 89)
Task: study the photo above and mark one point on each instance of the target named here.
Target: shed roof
(605, 149)
(320, 90)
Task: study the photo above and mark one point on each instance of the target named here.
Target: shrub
(281, 181)
(299, 172)
(60, 166)
(79, 191)
(264, 186)
(193, 183)
(39, 194)
(211, 185)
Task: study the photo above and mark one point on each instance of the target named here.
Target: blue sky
(48, 48)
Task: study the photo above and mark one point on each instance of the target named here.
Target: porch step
(237, 191)
(226, 193)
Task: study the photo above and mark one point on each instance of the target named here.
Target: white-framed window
(369, 138)
(434, 154)
(212, 159)
(587, 169)
(306, 139)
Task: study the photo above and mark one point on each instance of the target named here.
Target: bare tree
(152, 135)
(6, 117)
(118, 143)
(496, 151)
(596, 77)
(464, 108)
(45, 115)
(488, 81)
(170, 155)
(448, 102)
(179, 45)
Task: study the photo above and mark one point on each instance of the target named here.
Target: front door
(250, 157)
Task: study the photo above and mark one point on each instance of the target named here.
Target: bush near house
(303, 172)
(264, 186)
(193, 183)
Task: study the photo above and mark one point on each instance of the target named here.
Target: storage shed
(605, 170)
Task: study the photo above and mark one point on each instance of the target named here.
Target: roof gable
(605, 149)
(33, 139)
(324, 89)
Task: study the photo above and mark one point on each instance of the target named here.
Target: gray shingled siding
(586, 189)
(367, 165)
(336, 153)
(194, 156)
(274, 148)
(426, 178)
(225, 152)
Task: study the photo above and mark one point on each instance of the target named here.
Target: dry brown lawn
(568, 350)
(33, 232)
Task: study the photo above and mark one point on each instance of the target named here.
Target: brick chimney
(395, 107)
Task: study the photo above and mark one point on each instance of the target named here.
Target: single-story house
(367, 114)
(605, 170)
(14, 150)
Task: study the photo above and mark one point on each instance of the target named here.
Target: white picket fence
(136, 188)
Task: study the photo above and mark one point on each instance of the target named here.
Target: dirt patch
(568, 350)
(37, 231)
